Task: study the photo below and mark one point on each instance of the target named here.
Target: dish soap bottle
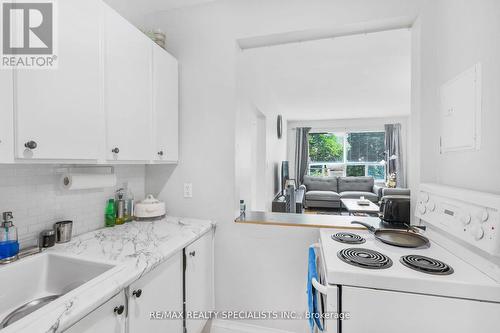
(9, 244)
(129, 205)
(110, 214)
(120, 206)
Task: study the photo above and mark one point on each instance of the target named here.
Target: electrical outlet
(188, 190)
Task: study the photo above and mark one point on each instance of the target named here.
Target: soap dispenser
(9, 244)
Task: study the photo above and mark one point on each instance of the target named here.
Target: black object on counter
(47, 238)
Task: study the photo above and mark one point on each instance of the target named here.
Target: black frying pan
(401, 238)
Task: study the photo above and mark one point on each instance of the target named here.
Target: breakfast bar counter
(305, 220)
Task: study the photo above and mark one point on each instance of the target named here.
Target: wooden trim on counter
(306, 220)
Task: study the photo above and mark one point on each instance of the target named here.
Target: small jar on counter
(47, 238)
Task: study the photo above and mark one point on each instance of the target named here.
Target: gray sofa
(326, 192)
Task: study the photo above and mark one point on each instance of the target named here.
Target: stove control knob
(479, 233)
(422, 209)
(485, 216)
(431, 206)
(465, 219)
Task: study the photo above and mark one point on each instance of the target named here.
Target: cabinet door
(128, 90)
(158, 291)
(199, 280)
(6, 117)
(165, 106)
(60, 109)
(104, 318)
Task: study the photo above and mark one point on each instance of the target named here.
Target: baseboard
(226, 326)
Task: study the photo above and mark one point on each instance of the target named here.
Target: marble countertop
(133, 248)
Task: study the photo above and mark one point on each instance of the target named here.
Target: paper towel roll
(81, 181)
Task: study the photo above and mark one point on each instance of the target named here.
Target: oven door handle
(318, 286)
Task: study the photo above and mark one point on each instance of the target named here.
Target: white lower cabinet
(109, 317)
(146, 304)
(199, 280)
(159, 291)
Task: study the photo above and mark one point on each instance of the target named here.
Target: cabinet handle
(160, 153)
(192, 253)
(30, 145)
(137, 293)
(119, 309)
(115, 150)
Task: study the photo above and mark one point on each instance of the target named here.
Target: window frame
(345, 163)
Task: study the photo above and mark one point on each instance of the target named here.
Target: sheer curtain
(301, 153)
(394, 152)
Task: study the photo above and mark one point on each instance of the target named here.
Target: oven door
(383, 311)
(328, 295)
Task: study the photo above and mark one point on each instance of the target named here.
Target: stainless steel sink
(31, 283)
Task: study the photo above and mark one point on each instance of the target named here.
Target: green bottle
(110, 214)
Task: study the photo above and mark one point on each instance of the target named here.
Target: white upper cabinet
(6, 117)
(112, 97)
(127, 90)
(59, 110)
(165, 106)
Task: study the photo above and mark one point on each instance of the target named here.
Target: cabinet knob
(192, 253)
(115, 150)
(30, 145)
(137, 293)
(160, 153)
(119, 309)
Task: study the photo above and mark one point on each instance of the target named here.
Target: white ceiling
(360, 76)
(135, 10)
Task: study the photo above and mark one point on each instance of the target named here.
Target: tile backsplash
(34, 195)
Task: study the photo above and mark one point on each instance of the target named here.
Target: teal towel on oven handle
(312, 293)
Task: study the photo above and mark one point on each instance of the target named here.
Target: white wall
(454, 35)
(259, 152)
(34, 195)
(257, 267)
(358, 76)
(343, 125)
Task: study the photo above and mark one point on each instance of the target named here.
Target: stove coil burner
(426, 264)
(364, 258)
(348, 238)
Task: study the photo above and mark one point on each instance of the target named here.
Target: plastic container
(110, 214)
(9, 244)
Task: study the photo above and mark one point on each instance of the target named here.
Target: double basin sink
(33, 282)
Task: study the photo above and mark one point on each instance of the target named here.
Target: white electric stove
(453, 285)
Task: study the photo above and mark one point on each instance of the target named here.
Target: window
(365, 147)
(349, 154)
(326, 148)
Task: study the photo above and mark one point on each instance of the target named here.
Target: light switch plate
(188, 190)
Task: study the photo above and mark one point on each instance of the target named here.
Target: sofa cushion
(357, 194)
(363, 184)
(320, 183)
(322, 196)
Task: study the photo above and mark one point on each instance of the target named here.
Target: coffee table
(352, 206)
